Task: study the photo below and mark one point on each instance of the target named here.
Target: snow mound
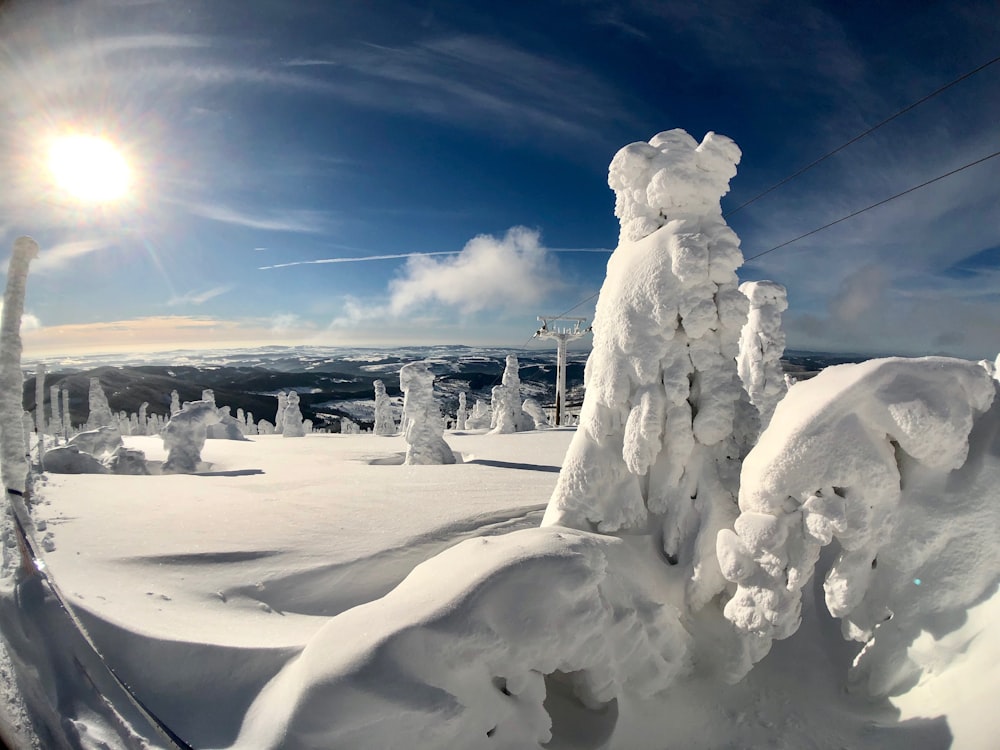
(897, 462)
(468, 661)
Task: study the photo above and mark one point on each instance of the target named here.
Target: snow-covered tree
(55, 425)
(480, 417)
(876, 456)
(291, 417)
(462, 412)
(507, 411)
(100, 413)
(762, 342)
(184, 436)
(175, 403)
(384, 423)
(654, 452)
(279, 418)
(424, 431)
(67, 419)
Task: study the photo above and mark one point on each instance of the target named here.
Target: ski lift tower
(554, 327)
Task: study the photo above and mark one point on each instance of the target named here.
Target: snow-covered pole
(40, 413)
(14, 469)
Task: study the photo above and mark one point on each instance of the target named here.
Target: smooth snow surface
(206, 584)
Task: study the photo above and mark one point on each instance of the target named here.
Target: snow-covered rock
(762, 342)
(424, 430)
(185, 434)
(69, 459)
(655, 450)
(897, 460)
(384, 423)
(533, 416)
(128, 461)
(98, 442)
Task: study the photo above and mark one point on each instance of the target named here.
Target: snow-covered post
(424, 433)
(462, 412)
(100, 411)
(655, 453)
(67, 423)
(13, 463)
(291, 417)
(40, 412)
(384, 423)
(507, 410)
(55, 425)
(762, 342)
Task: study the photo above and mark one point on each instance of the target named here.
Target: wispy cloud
(199, 298)
(58, 257)
(29, 322)
(290, 220)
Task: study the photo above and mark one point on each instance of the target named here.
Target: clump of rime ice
(655, 452)
(384, 423)
(291, 417)
(507, 399)
(898, 461)
(185, 434)
(100, 411)
(424, 430)
(762, 342)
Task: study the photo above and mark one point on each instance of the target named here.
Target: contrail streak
(398, 256)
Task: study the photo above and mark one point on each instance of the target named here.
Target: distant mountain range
(332, 382)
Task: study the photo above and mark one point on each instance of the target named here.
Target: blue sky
(264, 136)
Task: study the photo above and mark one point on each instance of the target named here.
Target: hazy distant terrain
(331, 382)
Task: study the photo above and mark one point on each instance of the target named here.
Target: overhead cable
(858, 137)
(874, 205)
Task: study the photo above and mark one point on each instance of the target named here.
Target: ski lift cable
(874, 205)
(858, 137)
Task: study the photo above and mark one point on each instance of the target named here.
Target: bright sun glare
(89, 168)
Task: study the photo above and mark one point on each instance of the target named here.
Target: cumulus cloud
(29, 322)
(509, 272)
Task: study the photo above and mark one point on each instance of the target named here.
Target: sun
(89, 168)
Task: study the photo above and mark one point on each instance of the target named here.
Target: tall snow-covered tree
(384, 423)
(654, 452)
(762, 342)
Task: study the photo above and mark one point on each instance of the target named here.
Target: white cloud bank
(489, 272)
